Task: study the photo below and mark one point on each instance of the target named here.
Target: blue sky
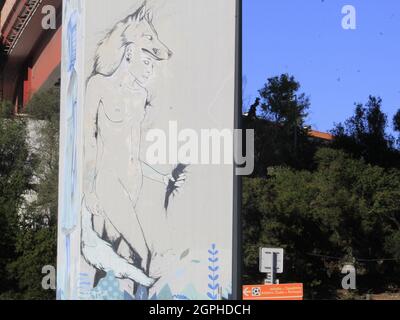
(335, 67)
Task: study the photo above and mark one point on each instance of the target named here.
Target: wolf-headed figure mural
(113, 239)
(141, 225)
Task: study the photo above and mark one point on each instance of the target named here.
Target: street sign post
(271, 262)
(289, 291)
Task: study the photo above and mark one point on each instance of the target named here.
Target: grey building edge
(237, 183)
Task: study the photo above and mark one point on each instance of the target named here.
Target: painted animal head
(143, 35)
(136, 29)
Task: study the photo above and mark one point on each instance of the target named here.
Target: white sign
(271, 260)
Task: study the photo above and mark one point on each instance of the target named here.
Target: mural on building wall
(144, 231)
(69, 209)
(116, 104)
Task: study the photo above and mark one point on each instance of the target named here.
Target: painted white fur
(101, 255)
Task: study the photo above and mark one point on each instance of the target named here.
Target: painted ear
(149, 15)
(142, 13)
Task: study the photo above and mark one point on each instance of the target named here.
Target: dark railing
(19, 24)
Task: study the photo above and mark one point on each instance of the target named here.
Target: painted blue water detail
(72, 39)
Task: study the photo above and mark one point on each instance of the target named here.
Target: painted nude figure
(116, 101)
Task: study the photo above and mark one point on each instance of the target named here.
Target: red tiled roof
(320, 135)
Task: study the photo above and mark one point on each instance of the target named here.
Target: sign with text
(271, 260)
(287, 291)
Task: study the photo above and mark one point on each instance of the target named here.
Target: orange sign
(287, 291)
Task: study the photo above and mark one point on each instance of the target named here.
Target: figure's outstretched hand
(175, 184)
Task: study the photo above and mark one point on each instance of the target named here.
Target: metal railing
(20, 23)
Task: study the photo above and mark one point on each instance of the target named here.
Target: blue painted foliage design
(213, 275)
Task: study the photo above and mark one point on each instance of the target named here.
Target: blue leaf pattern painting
(213, 275)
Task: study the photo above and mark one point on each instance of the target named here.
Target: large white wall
(195, 88)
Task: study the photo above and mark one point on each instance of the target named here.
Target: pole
(237, 183)
(273, 274)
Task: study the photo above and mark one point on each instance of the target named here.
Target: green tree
(364, 135)
(344, 211)
(281, 102)
(396, 124)
(278, 117)
(36, 240)
(16, 166)
(6, 109)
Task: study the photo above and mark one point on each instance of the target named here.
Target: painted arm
(173, 182)
(150, 173)
(177, 180)
(93, 148)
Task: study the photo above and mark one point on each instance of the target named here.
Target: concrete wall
(48, 60)
(122, 233)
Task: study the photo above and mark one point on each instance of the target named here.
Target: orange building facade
(31, 55)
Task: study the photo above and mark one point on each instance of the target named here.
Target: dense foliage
(15, 181)
(327, 205)
(345, 211)
(278, 119)
(32, 244)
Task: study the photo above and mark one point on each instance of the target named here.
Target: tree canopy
(278, 118)
(326, 204)
(344, 211)
(28, 205)
(16, 171)
(364, 135)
